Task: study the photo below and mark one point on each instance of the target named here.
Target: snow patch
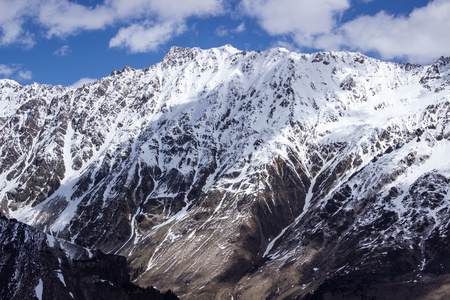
(39, 289)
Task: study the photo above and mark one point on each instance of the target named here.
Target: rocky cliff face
(220, 173)
(34, 265)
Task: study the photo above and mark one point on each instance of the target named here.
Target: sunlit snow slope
(223, 173)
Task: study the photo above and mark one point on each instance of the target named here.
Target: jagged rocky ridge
(223, 173)
(34, 265)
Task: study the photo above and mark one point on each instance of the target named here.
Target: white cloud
(62, 18)
(145, 37)
(176, 10)
(25, 74)
(13, 14)
(63, 51)
(170, 21)
(6, 71)
(303, 19)
(420, 37)
(124, 9)
(287, 45)
(15, 71)
(83, 81)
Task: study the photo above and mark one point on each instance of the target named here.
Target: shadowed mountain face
(34, 265)
(253, 175)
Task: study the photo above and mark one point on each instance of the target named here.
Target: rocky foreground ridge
(34, 265)
(227, 174)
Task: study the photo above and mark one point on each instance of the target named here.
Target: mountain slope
(220, 173)
(38, 266)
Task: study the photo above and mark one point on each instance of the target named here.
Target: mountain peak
(437, 75)
(443, 61)
(8, 83)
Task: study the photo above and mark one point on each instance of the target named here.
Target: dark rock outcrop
(34, 265)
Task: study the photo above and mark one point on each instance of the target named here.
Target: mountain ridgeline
(227, 174)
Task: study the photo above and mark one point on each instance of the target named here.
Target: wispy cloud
(240, 28)
(6, 71)
(25, 74)
(223, 31)
(63, 51)
(15, 71)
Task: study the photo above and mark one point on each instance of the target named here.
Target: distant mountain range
(227, 174)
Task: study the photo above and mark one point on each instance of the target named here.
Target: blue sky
(69, 42)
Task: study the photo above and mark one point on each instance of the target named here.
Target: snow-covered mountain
(255, 175)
